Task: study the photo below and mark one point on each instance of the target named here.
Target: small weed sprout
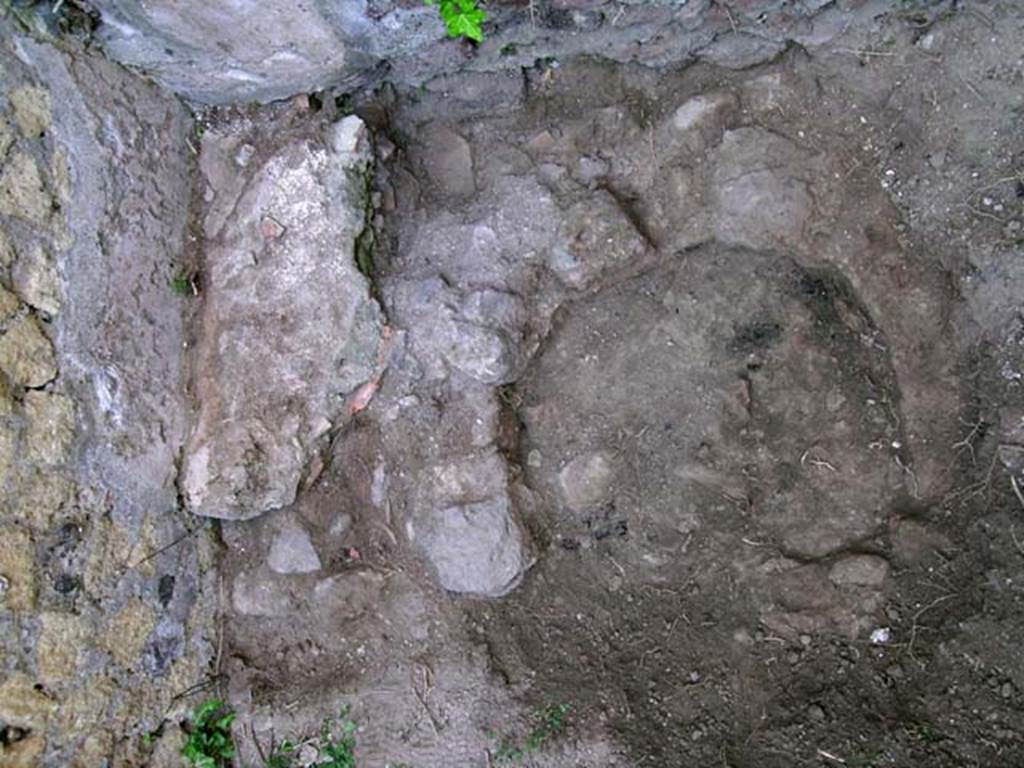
(209, 742)
(334, 747)
(462, 18)
(181, 284)
(338, 743)
(549, 723)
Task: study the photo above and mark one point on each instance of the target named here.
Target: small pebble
(244, 155)
(881, 636)
(271, 228)
(309, 755)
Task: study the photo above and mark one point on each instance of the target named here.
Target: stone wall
(223, 53)
(107, 594)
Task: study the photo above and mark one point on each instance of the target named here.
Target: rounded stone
(585, 480)
(292, 552)
(475, 548)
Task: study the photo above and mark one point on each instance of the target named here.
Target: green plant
(335, 747)
(548, 723)
(338, 743)
(462, 18)
(209, 742)
(181, 284)
(282, 756)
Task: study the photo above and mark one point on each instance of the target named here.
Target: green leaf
(462, 18)
(206, 710)
(467, 24)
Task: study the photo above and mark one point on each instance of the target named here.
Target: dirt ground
(745, 363)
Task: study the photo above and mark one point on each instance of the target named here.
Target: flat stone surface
(291, 551)
(760, 188)
(474, 548)
(466, 528)
(288, 326)
(859, 571)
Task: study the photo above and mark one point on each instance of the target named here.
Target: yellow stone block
(61, 640)
(51, 427)
(21, 704)
(26, 354)
(31, 106)
(17, 566)
(23, 754)
(9, 304)
(95, 750)
(128, 630)
(41, 495)
(22, 192)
